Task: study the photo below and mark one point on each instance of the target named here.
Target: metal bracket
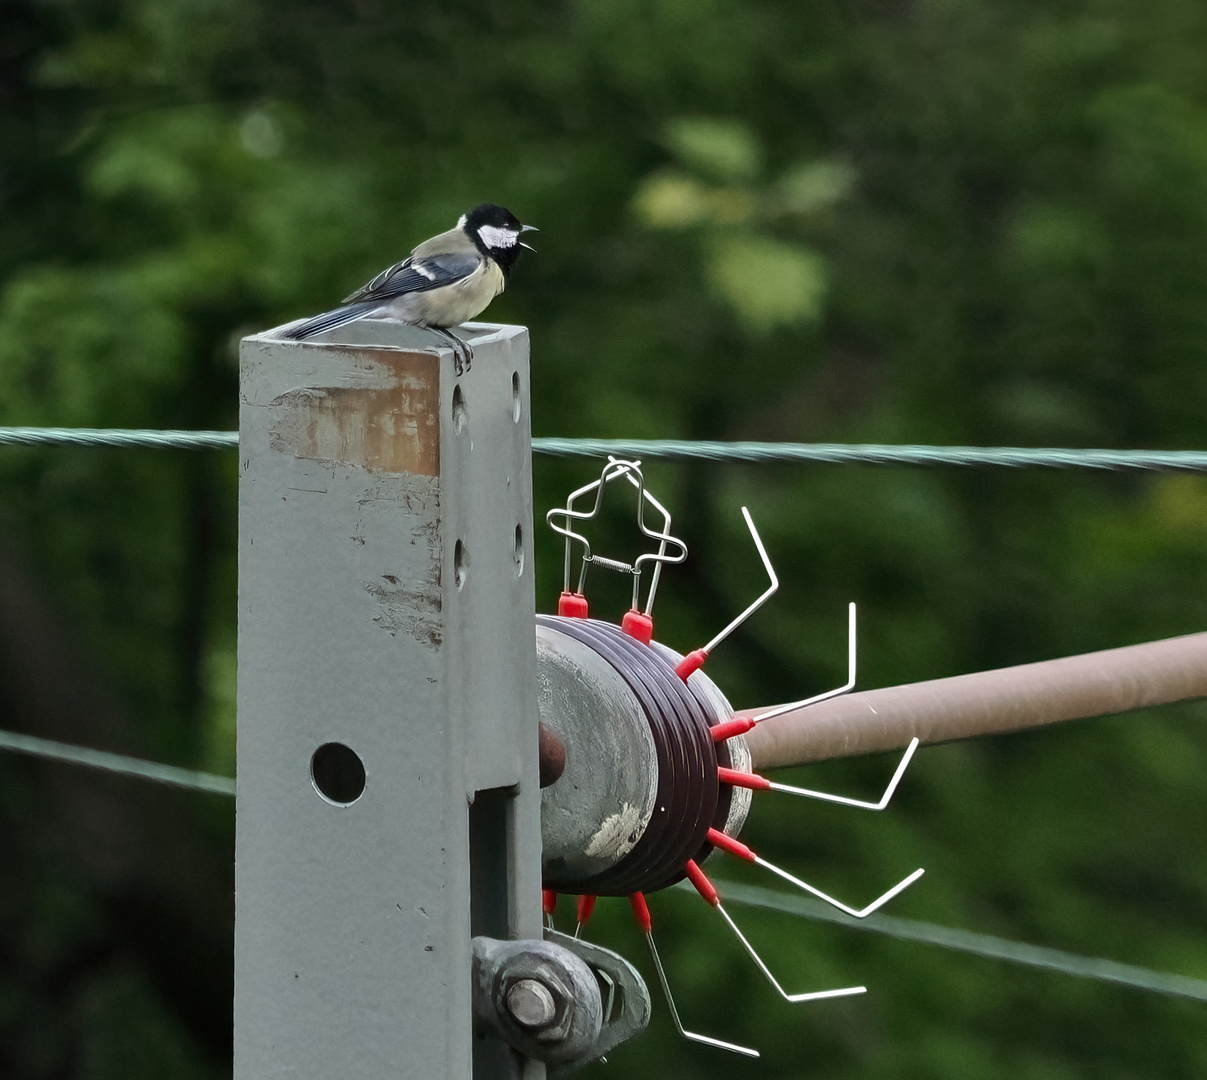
(625, 1001)
(560, 1001)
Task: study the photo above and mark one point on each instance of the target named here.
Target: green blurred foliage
(950, 221)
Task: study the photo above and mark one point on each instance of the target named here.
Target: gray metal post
(386, 623)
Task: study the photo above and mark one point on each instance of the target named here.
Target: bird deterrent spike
(697, 657)
(641, 912)
(852, 659)
(739, 850)
(751, 780)
(706, 889)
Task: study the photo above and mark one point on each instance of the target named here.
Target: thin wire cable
(680, 450)
(117, 763)
(966, 941)
(119, 437)
(872, 454)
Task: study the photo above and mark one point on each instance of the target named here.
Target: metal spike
(706, 1040)
(815, 995)
(733, 846)
(842, 799)
(862, 913)
(767, 594)
(852, 654)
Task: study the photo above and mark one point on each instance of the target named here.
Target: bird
(444, 282)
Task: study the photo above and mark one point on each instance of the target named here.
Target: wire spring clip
(638, 622)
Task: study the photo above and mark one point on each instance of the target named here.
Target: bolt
(531, 1004)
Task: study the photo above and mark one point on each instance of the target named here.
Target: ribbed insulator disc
(640, 790)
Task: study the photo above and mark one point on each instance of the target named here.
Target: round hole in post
(460, 563)
(337, 773)
(518, 551)
(515, 396)
(460, 412)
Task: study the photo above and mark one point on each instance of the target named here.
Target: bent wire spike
(735, 847)
(645, 923)
(766, 595)
(792, 706)
(852, 660)
(809, 995)
(759, 601)
(861, 804)
(709, 894)
(691, 1036)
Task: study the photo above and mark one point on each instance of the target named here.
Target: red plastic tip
(730, 728)
(641, 912)
(638, 625)
(586, 905)
(703, 885)
(728, 843)
(693, 661)
(742, 779)
(573, 605)
(548, 901)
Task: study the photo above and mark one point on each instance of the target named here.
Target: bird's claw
(463, 352)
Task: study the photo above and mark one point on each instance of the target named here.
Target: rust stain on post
(389, 425)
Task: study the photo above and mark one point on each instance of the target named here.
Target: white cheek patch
(494, 237)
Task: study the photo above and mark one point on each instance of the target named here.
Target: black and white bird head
(496, 232)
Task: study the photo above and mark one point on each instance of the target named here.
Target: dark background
(940, 221)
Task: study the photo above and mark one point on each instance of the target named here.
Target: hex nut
(531, 1004)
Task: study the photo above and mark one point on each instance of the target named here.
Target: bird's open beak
(524, 229)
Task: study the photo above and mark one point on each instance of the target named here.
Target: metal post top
(392, 334)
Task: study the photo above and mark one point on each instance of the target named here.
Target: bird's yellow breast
(452, 305)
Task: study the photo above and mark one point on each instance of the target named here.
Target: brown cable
(985, 703)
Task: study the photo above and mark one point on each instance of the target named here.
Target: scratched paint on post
(405, 580)
(389, 424)
(409, 607)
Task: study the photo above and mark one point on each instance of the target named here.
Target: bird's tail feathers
(329, 320)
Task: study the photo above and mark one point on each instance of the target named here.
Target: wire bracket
(670, 549)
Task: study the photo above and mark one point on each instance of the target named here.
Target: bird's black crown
(495, 231)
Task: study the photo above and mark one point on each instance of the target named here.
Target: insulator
(640, 788)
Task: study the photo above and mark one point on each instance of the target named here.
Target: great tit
(444, 282)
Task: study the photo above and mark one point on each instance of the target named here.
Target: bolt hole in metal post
(460, 410)
(460, 563)
(516, 399)
(517, 552)
(337, 773)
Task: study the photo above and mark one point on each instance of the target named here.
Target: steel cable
(120, 764)
(684, 450)
(965, 941)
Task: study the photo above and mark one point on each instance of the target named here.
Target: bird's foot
(463, 352)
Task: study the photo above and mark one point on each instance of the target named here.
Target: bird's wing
(418, 274)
